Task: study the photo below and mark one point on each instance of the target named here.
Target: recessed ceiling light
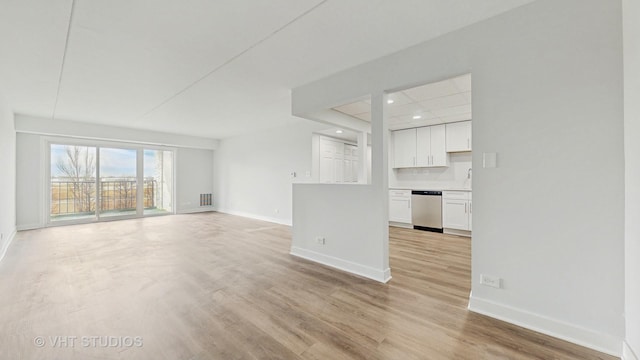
(390, 101)
(338, 131)
(416, 117)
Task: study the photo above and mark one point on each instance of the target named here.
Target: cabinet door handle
(470, 211)
(468, 143)
(414, 161)
(409, 204)
(465, 208)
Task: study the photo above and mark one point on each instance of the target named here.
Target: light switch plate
(489, 160)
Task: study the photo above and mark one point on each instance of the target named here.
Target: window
(92, 182)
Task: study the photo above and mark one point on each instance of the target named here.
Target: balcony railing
(79, 197)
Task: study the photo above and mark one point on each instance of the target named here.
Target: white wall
(351, 220)
(548, 99)
(334, 212)
(30, 172)
(194, 177)
(57, 127)
(454, 176)
(631, 19)
(7, 178)
(194, 169)
(253, 172)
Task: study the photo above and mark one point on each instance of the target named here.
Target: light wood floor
(215, 286)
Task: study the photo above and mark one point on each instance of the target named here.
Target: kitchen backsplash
(454, 176)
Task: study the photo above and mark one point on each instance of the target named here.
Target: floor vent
(206, 199)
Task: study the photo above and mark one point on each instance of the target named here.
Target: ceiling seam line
(64, 59)
(233, 58)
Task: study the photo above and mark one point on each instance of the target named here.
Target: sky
(113, 162)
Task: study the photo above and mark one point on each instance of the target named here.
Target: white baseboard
(585, 337)
(24, 227)
(457, 232)
(256, 217)
(6, 243)
(386, 276)
(628, 353)
(379, 275)
(400, 225)
(196, 210)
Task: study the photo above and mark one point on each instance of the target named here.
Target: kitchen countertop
(432, 189)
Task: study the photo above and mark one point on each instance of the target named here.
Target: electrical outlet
(320, 240)
(492, 281)
(277, 211)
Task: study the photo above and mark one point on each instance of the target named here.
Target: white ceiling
(435, 103)
(201, 67)
(340, 133)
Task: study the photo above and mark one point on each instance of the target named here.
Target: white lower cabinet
(455, 215)
(470, 212)
(400, 206)
(456, 210)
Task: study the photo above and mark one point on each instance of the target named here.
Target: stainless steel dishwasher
(426, 210)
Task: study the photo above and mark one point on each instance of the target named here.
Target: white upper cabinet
(458, 136)
(439, 156)
(421, 147)
(430, 148)
(404, 148)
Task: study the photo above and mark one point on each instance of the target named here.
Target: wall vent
(206, 199)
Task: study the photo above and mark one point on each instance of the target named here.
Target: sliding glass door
(158, 182)
(90, 183)
(72, 183)
(118, 182)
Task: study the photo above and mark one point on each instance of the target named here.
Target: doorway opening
(430, 158)
(430, 173)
